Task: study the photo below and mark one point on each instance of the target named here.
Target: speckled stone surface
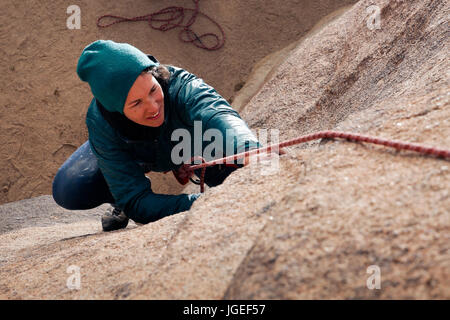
(334, 208)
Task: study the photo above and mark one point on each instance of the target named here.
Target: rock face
(332, 213)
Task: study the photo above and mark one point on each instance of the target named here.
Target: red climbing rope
(173, 17)
(399, 145)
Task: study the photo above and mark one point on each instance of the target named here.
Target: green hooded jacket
(126, 151)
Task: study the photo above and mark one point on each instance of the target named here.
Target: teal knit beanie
(111, 68)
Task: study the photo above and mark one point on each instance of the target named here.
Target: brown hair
(160, 72)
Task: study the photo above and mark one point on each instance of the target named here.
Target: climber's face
(145, 102)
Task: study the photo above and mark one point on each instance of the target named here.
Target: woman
(137, 106)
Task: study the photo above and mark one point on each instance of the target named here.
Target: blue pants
(79, 184)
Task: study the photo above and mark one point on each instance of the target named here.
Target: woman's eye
(153, 89)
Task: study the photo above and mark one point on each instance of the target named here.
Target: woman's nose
(152, 105)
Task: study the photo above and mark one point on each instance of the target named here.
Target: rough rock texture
(44, 103)
(265, 68)
(333, 209)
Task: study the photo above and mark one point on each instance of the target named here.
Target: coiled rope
(188, 169)
(173, 17)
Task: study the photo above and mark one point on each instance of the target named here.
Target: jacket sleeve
(127, 182)
(197, 101)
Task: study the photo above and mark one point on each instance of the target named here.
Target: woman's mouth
(153, 117)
